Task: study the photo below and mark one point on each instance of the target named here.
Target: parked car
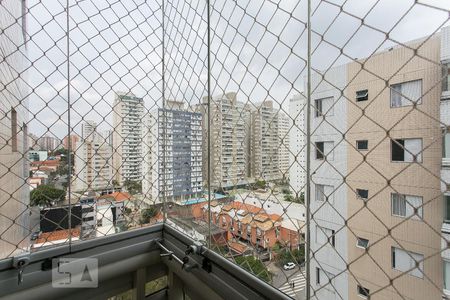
(289, 266)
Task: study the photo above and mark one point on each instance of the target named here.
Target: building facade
(73, 139)
(14, 191)
(128, 114)
(230, 141)
(297, 145)
(49, 143)
(174, 171)
(383, 177)
(93, 162)
(328, 168)
(269, 143)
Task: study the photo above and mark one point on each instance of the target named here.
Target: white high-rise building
(172, 144)
(128, 114)
(93, 161)
(328, 163)
(283, 144)
(269, 143)
(297, 144)
(88, 130)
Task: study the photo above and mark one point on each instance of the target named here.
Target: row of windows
(402, 260)
(401, 205)
(402, 94)
(402, 150)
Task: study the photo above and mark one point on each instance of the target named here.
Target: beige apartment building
(230, 140)
(397, 186)
(393, 167)
(14, 167)
(93, 161)
(128, 117)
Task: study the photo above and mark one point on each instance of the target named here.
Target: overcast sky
(258, 49)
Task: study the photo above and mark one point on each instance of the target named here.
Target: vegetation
(254, 266)
(127, 211)
(46, 195)
(260, 184)
(285, 255)
(147, 214)
(133, 187)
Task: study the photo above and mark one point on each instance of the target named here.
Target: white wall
(332, 260)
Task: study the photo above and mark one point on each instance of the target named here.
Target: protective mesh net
(304, 140)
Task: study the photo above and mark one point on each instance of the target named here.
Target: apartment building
(383, 176)
(328, 168)
(297, 144)
(93, 161)
(172, 143)
(128, 115)
(283, 144)
(49, 143)
(88, 130)
(445, 164)
(269, 143)
(14, 191)
(230, 140)
(71, 141)
(395, 181)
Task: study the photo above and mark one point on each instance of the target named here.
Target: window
(324, 191)
(406, 93)
(362, 243)
(446, 145)
(325, 235)
(447, 209)
(363, 292)
(445, 77)
(324, 106)
(407, 261)
(405, 206)
(322, 274)
(363, 194)
(14, 130)
(447, 275)
(324, 149)
(362, 95)
(362, 145)
(407, 150)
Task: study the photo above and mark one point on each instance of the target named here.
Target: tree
(289, 198)
(147, 214)
(260, 184)
(286, 191)
(255, 266)
(45, 195)
(286, 255)
(133, 187)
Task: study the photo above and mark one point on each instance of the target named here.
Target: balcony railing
(134, 132)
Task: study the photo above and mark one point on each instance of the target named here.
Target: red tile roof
(57, 235)
(117, 196)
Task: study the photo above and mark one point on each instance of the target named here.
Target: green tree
(255, 266)
(260, 184)
(147, 214)
(286, 255)
(45, 195)
(133, 187)
(289, 198)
